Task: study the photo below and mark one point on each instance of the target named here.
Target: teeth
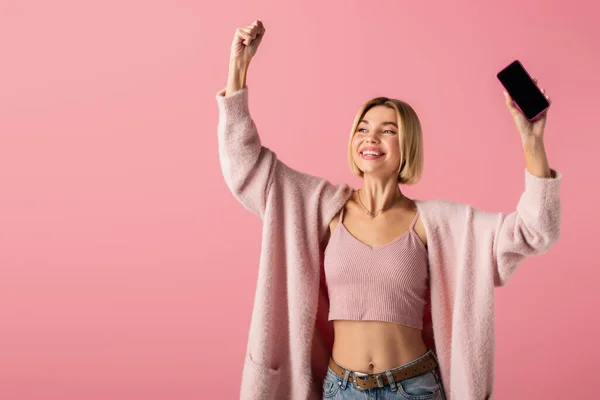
(372, 153)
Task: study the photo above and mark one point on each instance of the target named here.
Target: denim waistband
(416, 360)
(387, 372)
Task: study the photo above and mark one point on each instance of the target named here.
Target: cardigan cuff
(543, 188)
(234, 105)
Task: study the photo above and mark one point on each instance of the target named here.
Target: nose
(372, 136)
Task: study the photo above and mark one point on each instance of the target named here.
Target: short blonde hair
(411, 141)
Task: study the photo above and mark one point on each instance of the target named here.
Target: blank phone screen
(523, 90)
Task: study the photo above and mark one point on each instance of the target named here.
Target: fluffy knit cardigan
(470, 252)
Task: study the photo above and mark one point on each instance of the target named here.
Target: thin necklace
(373, 214)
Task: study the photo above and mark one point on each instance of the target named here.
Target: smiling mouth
(371, 155)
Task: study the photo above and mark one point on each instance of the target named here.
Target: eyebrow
(384, 123)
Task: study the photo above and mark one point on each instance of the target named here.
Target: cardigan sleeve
(246, 164)
(531, 230)
(251, 170)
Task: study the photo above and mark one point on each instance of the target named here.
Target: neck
(378, 194)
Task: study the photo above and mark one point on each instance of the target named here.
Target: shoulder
(439, 207)
(343, 193)
(445, 216)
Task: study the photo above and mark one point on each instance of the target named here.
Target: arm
(247, 166)
(531, 230)
(536, 224)
(252, 171)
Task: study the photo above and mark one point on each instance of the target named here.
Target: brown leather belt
(370, 381)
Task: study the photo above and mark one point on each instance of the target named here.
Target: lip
(368, 156)
(372, 149)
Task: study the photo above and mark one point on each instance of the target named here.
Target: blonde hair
(411, 141)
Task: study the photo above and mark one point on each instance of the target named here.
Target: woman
(376, 246)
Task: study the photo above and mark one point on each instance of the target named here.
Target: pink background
(127, 269)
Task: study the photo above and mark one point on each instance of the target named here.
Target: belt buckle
(361, 377)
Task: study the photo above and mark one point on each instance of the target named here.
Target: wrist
(238, 70)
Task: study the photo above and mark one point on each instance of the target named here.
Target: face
(377, 132)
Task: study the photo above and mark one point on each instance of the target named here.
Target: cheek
(355, 143)
(394, 146)
(355, 155)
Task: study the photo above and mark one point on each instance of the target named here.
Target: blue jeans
(427, 386)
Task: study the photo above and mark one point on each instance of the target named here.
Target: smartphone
(525, 94)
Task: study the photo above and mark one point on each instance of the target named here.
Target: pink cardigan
(470, 252)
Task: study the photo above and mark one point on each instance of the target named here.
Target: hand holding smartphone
(526, 95)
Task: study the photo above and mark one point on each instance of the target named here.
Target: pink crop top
(384, 283)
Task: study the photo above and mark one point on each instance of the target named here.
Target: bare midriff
(374, 346)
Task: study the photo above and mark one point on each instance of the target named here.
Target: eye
(387, 130)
